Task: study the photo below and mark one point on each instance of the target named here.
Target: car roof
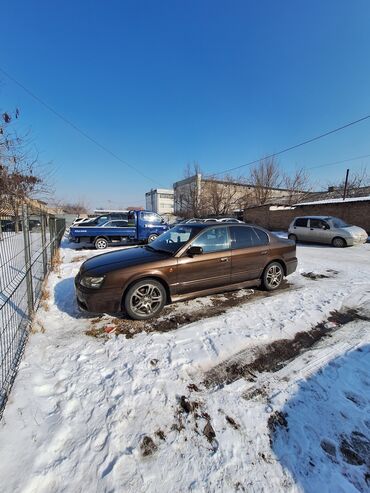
(315, 217)
(221, 225)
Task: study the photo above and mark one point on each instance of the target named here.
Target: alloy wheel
(274, 276)
(146, 299)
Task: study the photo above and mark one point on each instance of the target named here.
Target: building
(197, 196)
(160, 200)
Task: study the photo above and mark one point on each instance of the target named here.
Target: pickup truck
(140, 227)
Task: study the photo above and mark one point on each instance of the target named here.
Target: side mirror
(194, 250)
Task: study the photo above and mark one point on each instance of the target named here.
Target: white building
(160, 200)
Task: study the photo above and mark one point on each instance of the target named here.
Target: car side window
(102, 220)
(213, 240)
(151, 217)
(301, 222)
(319, 224)
(243, 237)
(261, 237)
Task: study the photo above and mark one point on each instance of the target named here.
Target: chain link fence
(28, 243)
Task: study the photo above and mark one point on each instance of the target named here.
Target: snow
(81, 406)
(336, 201)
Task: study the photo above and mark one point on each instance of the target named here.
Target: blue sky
(166, 83)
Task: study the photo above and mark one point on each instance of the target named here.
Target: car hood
(101, 264)
(355, 231)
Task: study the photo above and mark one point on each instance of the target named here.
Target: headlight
(92, 282)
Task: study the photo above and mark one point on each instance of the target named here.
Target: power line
(75, 127)
(339, 162)
(115, 156)
(308, 141)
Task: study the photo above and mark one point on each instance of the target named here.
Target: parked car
(230, 220)
(103, 219)
(184, 262)
(82, 220)
(140, 226)
(326, 229)
(8, 225)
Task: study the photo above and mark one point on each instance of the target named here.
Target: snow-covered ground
(135, 414)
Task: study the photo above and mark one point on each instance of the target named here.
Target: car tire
(272, 276)
(293, 237)
(152, 237)
(100, 243)
(145, 299)
(339, 242)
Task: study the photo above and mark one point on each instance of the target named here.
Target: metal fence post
(43, 240)
(27, 257)
(52, 234)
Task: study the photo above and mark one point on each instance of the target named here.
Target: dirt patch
(255, 393)
(277, 420)
(147, 446)
(193, 388)
(188, 406)
(272, 357)
(232, 422)
(209, 432)
(97, 333)
(190, 416)
(355, 449)
(170, 321)
(313, 276)
(160, 434)
(79, 258)
(329, 448)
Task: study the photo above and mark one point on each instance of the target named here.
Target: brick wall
(357, 213)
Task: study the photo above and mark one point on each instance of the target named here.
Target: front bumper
(98, 300)
(356, 240)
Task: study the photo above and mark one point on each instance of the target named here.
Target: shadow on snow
(322, 435)
(65, 299)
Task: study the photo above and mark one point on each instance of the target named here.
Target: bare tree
(190, 200)
(220, 196)
(21, 176)
(356, 181)
(297, 186)
(78, 207)
(264, 177)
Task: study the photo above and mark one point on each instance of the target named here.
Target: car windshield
(172, 240)
(339, 223)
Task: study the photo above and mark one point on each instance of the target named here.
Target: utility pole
(345, 185)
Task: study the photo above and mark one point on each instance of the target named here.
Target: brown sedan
(187, 261)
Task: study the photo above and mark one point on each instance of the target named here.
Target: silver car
(326, 229)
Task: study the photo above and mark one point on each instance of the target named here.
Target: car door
(320, 231)
(300, 229)
(249, 253)
(210, 269)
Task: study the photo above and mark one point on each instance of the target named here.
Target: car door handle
(224, 259)
(264, 252)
